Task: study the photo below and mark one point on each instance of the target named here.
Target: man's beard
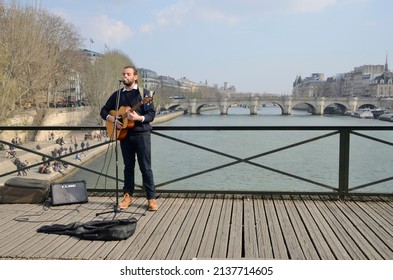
(127, 83)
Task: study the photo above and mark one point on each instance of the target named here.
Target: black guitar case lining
(95, 230)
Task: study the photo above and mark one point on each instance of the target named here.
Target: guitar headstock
(148, 98)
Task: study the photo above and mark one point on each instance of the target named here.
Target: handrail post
(343, 172)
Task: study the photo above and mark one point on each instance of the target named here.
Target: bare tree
(38, 52)
(102, 78)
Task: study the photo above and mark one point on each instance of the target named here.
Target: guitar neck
(139, 104)
(124, 115)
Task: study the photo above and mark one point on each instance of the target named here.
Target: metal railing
(344, 133)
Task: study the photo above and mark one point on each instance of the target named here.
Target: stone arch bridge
(287, 103)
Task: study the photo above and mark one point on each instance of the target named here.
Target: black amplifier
(69, 193)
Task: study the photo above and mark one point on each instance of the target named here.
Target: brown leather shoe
(126, 201)
(153, 206)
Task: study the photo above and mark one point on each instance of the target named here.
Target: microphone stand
(116, 208)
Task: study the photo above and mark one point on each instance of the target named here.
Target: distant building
(363, 81)
(168, 82)
(187, 85)
(93, 56)
(312, 86)
(149, 78)
(382, 85)
(228, 89)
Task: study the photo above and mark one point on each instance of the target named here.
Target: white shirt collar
(134, 87)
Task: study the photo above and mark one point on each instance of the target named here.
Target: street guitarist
(136, 143)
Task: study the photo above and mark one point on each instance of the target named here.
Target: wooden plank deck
(197, 226)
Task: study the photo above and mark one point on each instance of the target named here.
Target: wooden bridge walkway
(196, 226)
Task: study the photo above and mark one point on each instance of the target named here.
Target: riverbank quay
(28, 152)
(34, 158)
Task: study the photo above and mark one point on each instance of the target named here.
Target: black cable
(46, 207)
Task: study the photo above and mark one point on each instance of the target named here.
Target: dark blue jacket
(131, 98)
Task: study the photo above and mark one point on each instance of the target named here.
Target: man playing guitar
(134, 114)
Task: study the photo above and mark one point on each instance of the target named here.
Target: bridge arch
(335, 108)
(367, 105)
(277, 104)
(200, 107)
(311, 107)
(173, 107)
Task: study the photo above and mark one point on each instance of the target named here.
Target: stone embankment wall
(64, 117)
(46, 117)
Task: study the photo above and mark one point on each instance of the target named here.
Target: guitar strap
(141, 91)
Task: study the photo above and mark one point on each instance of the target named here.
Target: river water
(174, 162)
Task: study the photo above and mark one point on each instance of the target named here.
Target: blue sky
(255, 45)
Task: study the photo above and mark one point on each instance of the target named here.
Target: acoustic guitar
(122, 117)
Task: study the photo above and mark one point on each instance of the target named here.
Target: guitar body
(120, 134)
(112, 131)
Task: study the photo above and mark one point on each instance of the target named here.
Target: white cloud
(173, 15)
(110, 31)
(306, 6)
(187, 10)
(219, 16)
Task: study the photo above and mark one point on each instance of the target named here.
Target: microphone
(122, 80)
